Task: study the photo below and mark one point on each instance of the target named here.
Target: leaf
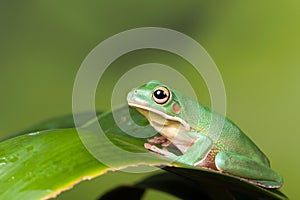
(211, 182)
(65, 121)
(124, 191)
(42, 164)
(191, 184)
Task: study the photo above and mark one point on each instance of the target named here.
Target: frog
(183, 125)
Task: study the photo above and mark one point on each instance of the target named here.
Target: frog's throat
(164, 115)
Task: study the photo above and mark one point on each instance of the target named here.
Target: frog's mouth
(145, 111)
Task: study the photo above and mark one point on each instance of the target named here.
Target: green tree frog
(172, 114)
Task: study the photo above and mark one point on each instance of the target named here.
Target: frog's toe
(158, 150)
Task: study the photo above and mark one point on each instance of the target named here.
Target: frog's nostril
(135, 91)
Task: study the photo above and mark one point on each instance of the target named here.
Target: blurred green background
(255, 45)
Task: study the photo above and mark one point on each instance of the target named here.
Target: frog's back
(231, 138)
(227, 138)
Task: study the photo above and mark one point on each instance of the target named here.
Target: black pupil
(160, 94)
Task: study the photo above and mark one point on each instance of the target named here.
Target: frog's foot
(160, 151)
(248, 169)
(161, 140)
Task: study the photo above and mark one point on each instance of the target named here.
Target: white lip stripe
(173, 118)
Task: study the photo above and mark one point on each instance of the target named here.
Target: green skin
(184, 125)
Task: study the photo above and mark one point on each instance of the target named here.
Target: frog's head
(158, 103)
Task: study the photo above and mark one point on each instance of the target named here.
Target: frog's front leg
(197, 151)
(193, 155)
(246, 167)
(161, 140)
(160, 151)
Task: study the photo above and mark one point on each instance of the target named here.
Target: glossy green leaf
(42, 164)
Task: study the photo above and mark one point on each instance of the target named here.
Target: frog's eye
(161, 95)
